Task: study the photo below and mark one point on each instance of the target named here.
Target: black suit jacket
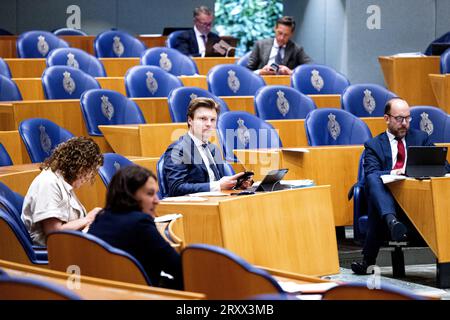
(187, 43)
(136, 233)
(293, 55)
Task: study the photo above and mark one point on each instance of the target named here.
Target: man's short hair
(202, 103)
(388, 105)
(202, 9)
(287, 21)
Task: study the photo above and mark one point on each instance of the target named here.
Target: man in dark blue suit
(386, 154)
(192, 164)
(198, 42)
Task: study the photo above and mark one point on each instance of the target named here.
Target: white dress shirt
(394, 149)
(201, 44)
(273, 54)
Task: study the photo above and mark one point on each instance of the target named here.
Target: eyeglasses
(400, 119)
(204, 24)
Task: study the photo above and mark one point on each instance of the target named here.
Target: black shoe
(360, 267)
(398, 230)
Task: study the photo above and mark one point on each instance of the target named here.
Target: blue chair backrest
(366, 100)
(107, 107)
(14, 288)
(12, 203)
(242, 130)
(163, 190)
(329, 126)
(78, 59)
(228, 169)
(117, 44)
(62, 82)
(4, 69)
(41, 136)
(180, 98)
(38, 44)
(9, 90)
(69, 32)
(233, 80)
(281, 102)
(5, 159)
(173, 38)
(170, 60)
(445, 38)
(243, 61)
(318, 79)
(434, 121)
(112, 162)
(445, 62)
(150, 81)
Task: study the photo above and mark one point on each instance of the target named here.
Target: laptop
(426, 161)
(271, 182)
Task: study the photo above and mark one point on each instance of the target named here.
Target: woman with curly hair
(51, 203)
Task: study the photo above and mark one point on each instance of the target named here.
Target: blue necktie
(212, 164)
(278, 59)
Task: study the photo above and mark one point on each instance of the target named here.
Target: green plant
(247, 20)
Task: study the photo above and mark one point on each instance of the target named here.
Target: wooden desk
(95, 288)
(15, 147)
(427, 205)
(407, 77)
(441, 89)
(206, 63)
(290, 230)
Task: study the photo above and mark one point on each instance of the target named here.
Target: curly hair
(75, 158)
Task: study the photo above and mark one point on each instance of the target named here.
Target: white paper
(388, 178)
(303, 150)
(168, 217)
(292, 287)
(184, 199)
(298, 183)
(208, 194)
(447, 175)
(409, 54)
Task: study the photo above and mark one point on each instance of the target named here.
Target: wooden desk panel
(206, 63)
(407, 77)
(117, 67)
(250, 226)
(15, 147)
(85, 43)
(26, 68)
(8, 47)
(441, 89)
(277, 80)
(153, 40)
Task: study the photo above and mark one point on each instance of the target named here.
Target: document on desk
(184, 199)
(301, 150)
(209, 194)
(388, 178)
(168, 217)
(293, 287)
(298, 183)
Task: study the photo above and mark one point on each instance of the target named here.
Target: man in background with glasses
(386, 154)
(196, 42)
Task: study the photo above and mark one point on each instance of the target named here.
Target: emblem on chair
(333, 126)
(165, 62)
(46, 142)
(118, 47)
(426, 124)
(152, 84)
(42, 46)
(116, 166)
(71, 61)
(193, 96)
(316, 80)
(282, 103)
(107, 108)
(242, 132)
(68, 83)
(233, 81)
(368, 101)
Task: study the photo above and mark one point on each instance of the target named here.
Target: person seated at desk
(386, 154)
(280, 51)
(198, 42)
(127, 222)
(51, 203)
(192, 164)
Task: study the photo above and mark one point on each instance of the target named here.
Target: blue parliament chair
(233, 80)
(117, 44)
(242, 130)
(25, 288)
(281, 102)
(243, 61)
(15, 246)
(63, 82)
(318, 79)
(330, 126)
(180, 98)
(445, 62)
(172, 39)
(112, 162)
(366, 100)
(432, 120)
(9, 90)
(95, 257)
(221, 274)
(41, 136)
(69, 32)
(5, 159)
(150, 82)
(4, 69)
(445, 38)
(78, 59)
(163, 189)
(170, 60)
(108, 107)
(38, 44)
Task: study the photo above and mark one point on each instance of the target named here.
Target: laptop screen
(426, 161)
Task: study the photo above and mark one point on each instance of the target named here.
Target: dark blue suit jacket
(136, 233)
(184, 171)
(187, 42)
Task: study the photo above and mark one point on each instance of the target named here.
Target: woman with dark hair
(127, 223)
(51, 203)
